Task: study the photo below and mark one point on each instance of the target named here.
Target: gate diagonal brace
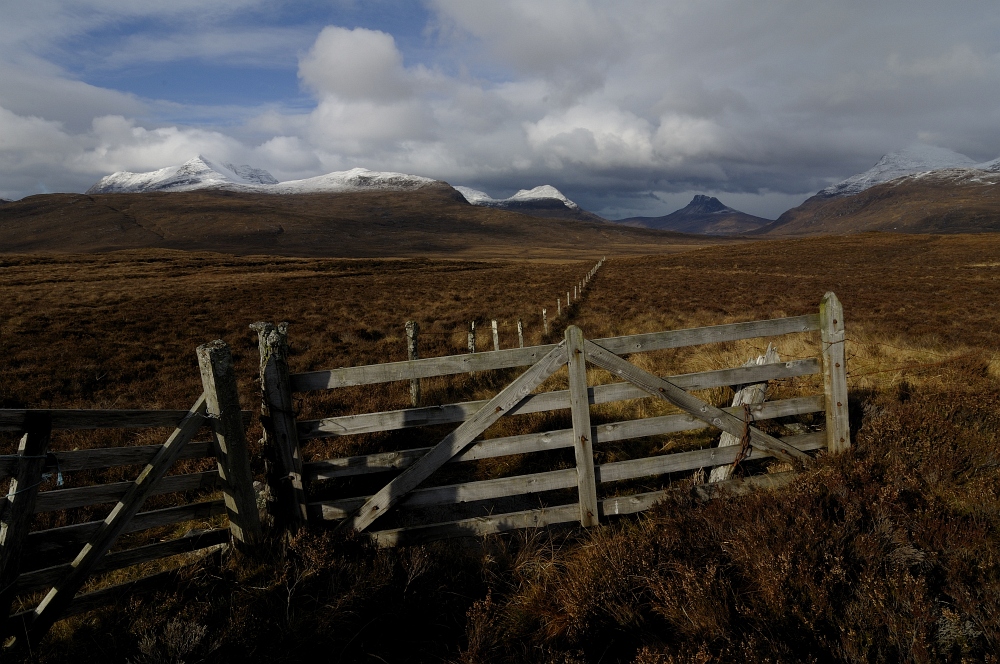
(458, 439)
(691, 404)
(61, 595)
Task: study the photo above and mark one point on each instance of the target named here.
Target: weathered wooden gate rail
(62, 559)
(286, 434)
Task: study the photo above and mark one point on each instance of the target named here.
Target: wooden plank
(552, 440)
(19, 503)
(583, 439)
(76, 419)
(277, 415)
(693, 405)
(454, 442)
(59, 597)
(94, 600)
(838, 425)
(347, 425)
(44, 544)
(13, 419)
(455, 494)
(516, 357)
(478, 526)
(549, 516)
(743, 486)
(617, 471)
(753, 393)
(695, 459)
(47, 576)
(222, 406)
(64, 499)
(109, 457)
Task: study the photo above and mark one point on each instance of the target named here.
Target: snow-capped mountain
(542, 194)
(918, 158)
(356, 179)
(545, 201)
(197, 173)
(201, 173)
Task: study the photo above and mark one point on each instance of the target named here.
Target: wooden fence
(392, 486)
(59, 561)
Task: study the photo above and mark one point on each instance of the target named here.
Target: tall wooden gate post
(223, 407)
(831, 325)
(413, 353)
(582, 443)
(278, 417)
(19, 505)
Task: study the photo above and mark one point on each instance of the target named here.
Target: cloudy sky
(629, 107)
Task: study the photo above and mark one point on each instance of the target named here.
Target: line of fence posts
(412, 343)
(577, 293)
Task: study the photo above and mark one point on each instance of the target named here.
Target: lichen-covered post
(520, 334)
(496, 337)
(412, 353)
(277, 416)
(545, 321)
(223, 407)
(831, 325)
(472, 336)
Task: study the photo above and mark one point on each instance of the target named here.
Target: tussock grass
(887, 553)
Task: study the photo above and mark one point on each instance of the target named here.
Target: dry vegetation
(887, 553)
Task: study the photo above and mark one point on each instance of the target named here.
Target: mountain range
(208, 205)
(705, 215)
(921, 189)
(201, 173)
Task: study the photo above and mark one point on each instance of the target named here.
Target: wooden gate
(62, 559)
(417, 512)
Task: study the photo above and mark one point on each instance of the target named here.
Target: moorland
(890, 552)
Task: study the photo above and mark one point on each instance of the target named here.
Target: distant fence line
(412, 328)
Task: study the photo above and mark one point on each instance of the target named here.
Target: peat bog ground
(890, 552)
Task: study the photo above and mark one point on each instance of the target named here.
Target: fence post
(567, 301)
(520, 334)
(19, 506)
(545, 321)
(582, 443)
(838, 426)
(472, 336)
(496, 337)
(558, 307)
(412, 353)
(222, 404)
(277, 415)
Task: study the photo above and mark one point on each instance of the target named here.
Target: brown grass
(887, 553)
